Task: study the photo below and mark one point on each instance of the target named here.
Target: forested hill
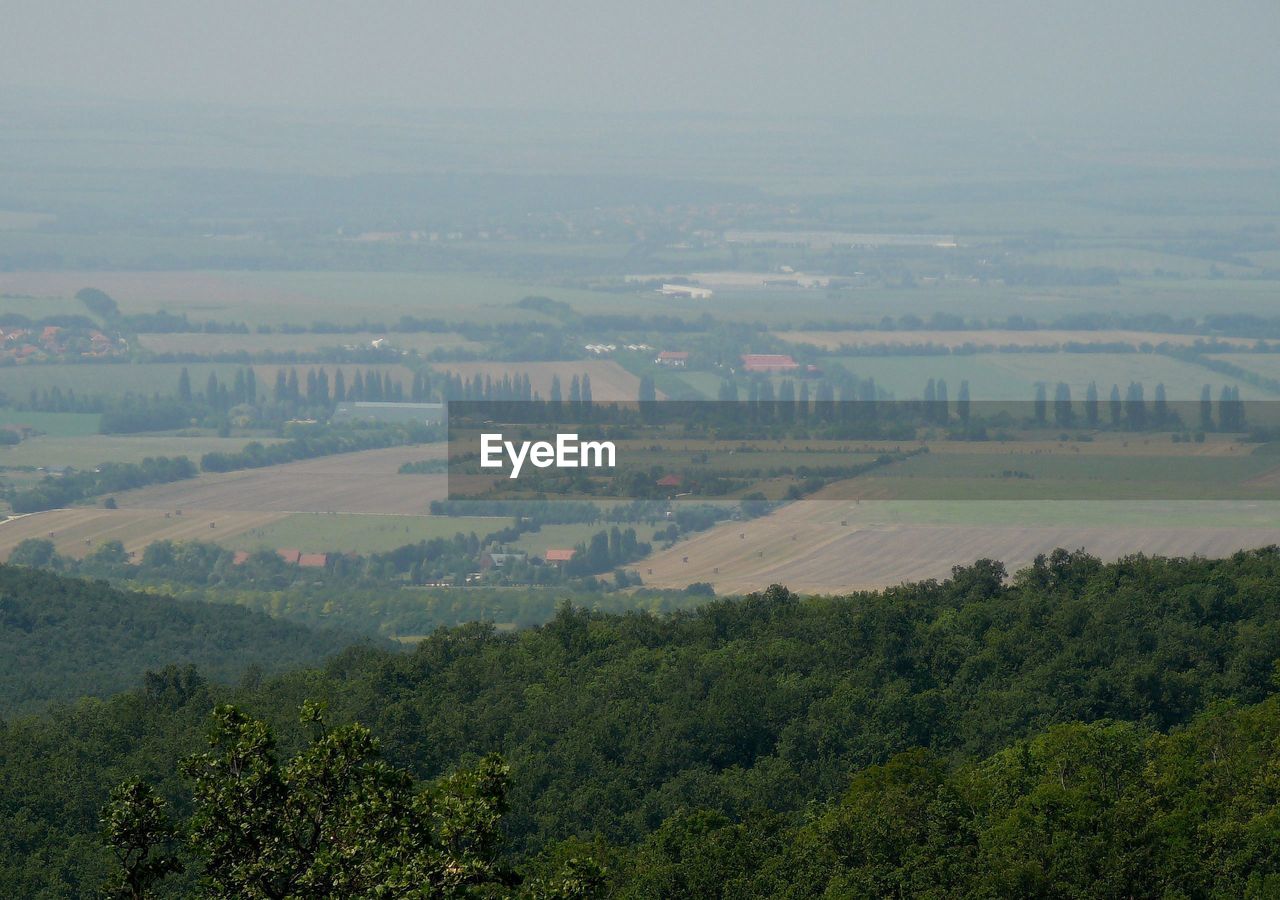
(62, 638)
(692, 748)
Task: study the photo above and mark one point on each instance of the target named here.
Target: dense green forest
(1108, 726)
(62, 638)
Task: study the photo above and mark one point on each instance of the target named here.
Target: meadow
(59, 425)
(1015, 474)
(356, 533)
(1013, 376)
(87, 451)
(308, 342)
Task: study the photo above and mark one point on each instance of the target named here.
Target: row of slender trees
(1132, 411)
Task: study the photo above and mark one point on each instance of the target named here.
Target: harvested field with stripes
(835, 547)
(77, 532)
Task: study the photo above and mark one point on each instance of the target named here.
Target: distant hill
(62, 638)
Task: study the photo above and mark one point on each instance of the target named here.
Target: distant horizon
(1116, 63)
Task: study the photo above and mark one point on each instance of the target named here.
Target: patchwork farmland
(218, 507)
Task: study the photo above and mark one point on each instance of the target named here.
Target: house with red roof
(558, 556)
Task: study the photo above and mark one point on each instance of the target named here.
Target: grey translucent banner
(1056, 449)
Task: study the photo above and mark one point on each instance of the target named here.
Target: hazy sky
(1157, 59)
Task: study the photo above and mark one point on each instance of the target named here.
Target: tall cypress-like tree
(1091, 404)
(1063, 414)
(787, 401)
(1160, 410)
(648, 391)
(1135, 407)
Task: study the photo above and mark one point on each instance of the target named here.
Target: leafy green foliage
(905, 742)
(142, 837)
(61, 638)
(335, 821)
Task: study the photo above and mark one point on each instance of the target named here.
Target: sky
(1154, 60)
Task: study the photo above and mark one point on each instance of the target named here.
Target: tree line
(1080, 728)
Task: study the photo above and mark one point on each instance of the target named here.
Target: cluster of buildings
(55, 342)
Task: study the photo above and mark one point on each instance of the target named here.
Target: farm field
(1019, 474)
(357, 533)
(1013, 376)
(806, 547)
(1265, 364)
(92, 450)
(835, 340)
(364, 482)
(76, 532)
(53, 424)
(547, 537)
(118, 379)
(609, 381)
(308, 342)
(278, 297)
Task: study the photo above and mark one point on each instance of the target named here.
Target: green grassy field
(1264, 364)
(61, 425)
(206, 344)
(84, 452)
(1074, 513)
(1019, 474)
(1013, 376)
(564, 537)
(318, 532)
